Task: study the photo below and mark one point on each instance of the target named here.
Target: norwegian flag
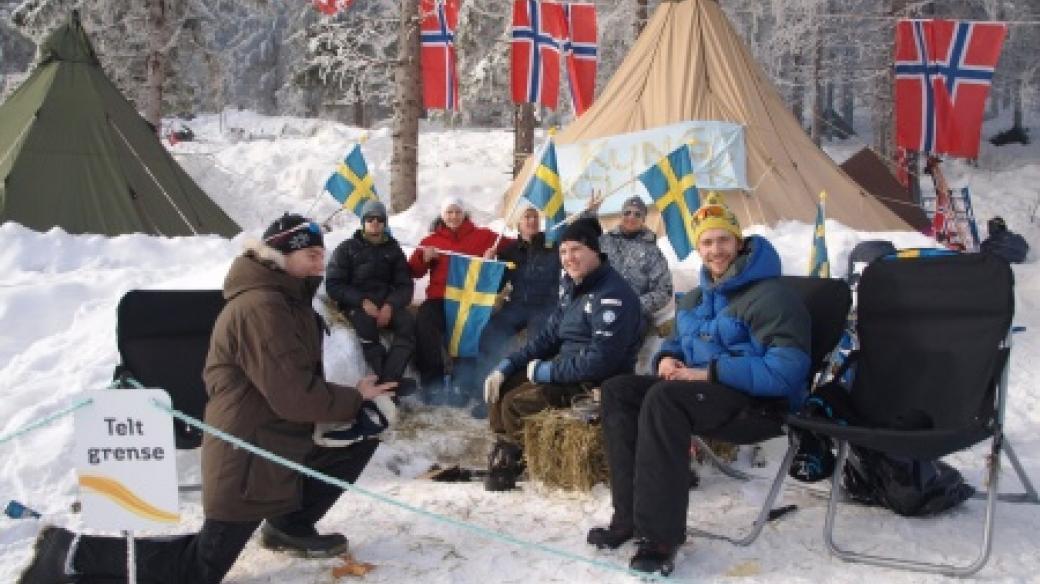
(331, 7)
(581, 52)
(943, 72)
(440, 19)
(539, 31)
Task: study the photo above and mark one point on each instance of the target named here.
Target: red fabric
(467, 239)
(944, 69)
(440, 20)
(539, 31)
(581, 54)
(331, 7)
(902, 167)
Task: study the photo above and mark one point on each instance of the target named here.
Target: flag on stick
(545, 192)
(819, 267)
(671, 185)
(469, 296)
(351, 184)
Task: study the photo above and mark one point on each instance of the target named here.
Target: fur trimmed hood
(264, 254)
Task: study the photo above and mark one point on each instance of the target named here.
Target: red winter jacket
(468, 239)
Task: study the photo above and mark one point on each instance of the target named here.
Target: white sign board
(717, 152)
(126, 460)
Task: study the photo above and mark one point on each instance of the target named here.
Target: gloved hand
(539, 371)
(492, 385)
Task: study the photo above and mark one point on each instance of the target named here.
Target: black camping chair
(934, 347)
(828, 302)
(163, 338)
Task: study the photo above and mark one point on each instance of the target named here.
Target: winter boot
(654, 558)
(609, 537)
(505, 465)
(814, 460)
(394, 364)
(49, 556)
(304, 546)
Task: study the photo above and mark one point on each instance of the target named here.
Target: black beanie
(292, 232)
(585, 231)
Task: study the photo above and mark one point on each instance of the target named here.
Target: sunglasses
(710, 211)
(375, 218)
(632, 213)
(308, 226)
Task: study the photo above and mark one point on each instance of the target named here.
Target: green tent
(74, 153)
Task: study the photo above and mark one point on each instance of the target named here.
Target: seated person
(535, 283)
(632, 249)
(371, 283)
(741, 339)
(1004, 243)
(451, 231)
(263, 376)
(592, 334)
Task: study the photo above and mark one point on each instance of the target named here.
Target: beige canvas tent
(689, 64)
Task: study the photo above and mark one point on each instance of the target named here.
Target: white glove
(492, 385)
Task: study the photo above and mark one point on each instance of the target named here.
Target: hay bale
(563, 451)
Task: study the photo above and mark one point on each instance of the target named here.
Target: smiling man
(592, 334)
(741, 341)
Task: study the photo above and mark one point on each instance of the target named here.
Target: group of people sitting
(740, 338)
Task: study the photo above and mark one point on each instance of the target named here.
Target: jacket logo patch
(610, 302)
(609, 316)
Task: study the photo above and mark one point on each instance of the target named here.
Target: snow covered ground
(58, 295)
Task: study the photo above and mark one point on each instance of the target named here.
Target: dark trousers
(430, 351)
(497, 339)
(519, 398)
(389, 366)
(647, 424)
(205, 557)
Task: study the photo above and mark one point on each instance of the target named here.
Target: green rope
(390, 501)
(45, 420)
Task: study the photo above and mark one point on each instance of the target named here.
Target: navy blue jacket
(536, 279)
(750, 331)
(592, 335)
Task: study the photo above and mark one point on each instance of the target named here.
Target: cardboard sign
(126, 461)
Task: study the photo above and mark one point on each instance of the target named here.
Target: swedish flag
(468, 299)
(671, 185)
(546, 194)
(351, 184)
(819, 267)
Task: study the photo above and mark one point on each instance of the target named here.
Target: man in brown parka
(266, 386)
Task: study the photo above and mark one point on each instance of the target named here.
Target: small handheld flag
(545, 192)
(819, 267)
(351, 184)
(671, 185)
(469, 297)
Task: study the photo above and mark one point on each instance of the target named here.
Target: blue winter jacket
(750, 331)
(593, 334)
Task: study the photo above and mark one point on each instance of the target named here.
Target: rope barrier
(346, 486)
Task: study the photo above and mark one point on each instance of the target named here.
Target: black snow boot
(654, 558)
(505, 465)
(304, 546)
(609, 537)
(49, 557)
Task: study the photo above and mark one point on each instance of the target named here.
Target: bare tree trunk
(156, 64)
(798, 91)
(642, 15)
(523, 135)
(404, 165)
(359, 107)
(817, 81)
(848, 100)
(1016, 103)
(884, 136)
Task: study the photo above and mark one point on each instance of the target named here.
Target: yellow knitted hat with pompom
(714, 214)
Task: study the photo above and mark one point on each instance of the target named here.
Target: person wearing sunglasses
(452, 230)
(265, 383)
(632, 249)
(741, 340)
(370, 282)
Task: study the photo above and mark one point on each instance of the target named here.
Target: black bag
(908, 487)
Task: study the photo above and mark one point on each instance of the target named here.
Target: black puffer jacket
(361, 269)
(536, 279)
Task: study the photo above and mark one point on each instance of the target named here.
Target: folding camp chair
(934, 348)
(828, 302)
(163, 338)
